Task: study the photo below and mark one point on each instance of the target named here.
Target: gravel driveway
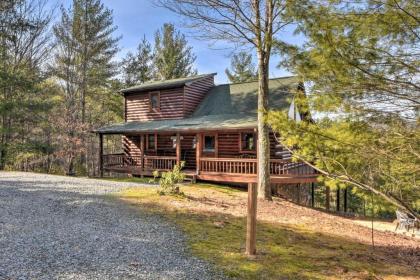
(54, 227)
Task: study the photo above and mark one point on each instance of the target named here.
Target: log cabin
(211, 128)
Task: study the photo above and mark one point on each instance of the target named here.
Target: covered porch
(222, 156)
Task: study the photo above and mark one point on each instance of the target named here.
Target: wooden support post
(345, 200)
(251, 221)
(178, 149)
(298, 193)
(313, 195)
(142, 153)
(197, 152)
(337, 202)
(101, 152)
(327, 198)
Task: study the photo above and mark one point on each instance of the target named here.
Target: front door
(188, 153)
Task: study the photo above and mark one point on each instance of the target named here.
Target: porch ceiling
(211, 122)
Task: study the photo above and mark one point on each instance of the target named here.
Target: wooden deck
(235, 170)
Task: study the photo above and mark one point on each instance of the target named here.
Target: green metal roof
(229, 106)
(211, 122)
(241, 98)
(173, 83)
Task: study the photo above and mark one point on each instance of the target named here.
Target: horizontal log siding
(228, 145)
(195, 92)
(171, 106)
(131, 145)
(273, 144)
(165, 145)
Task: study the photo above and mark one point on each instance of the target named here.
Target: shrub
(169, 181)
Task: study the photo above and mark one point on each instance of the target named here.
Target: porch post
(198, 152)
(142, 153)
(338, 199)
(327, 198)
(101, 152)
(313, 194)
(178, 149)
(345, 200)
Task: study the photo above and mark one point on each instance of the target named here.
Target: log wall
(228, 144)
(131, 145)
(175, 103)
(171, 106)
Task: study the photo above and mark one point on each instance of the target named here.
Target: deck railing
(150, 162)
(238, 166)
(159, 163)
(229, 165)
(249, 166)
(120, 160)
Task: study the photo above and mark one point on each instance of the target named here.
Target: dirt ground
(285, 212)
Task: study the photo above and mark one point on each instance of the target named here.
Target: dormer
(162, 100)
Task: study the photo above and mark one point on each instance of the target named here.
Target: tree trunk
(264, 187)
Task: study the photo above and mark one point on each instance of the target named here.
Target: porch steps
(190, 178)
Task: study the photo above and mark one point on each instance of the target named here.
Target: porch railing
(120, 160)
(249, 166)
(150, 162)
(159, 163)
(229, 165)
(245, 166)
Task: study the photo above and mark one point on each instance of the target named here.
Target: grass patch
(284, 251)
(144, 180)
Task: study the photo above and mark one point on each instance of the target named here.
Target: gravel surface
(55, 227)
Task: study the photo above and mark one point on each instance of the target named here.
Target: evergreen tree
(363, 63)
(173, 58)
(242, 68)
(86, 47)
(24, 47)
(138, 67)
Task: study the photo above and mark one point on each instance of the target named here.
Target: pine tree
(138, 67)
(84, 65)
(173, 58)
(242, 68)
(362, 61)
(24, 48)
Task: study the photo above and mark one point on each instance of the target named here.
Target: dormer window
(154, 101)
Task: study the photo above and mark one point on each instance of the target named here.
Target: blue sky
(136, 18)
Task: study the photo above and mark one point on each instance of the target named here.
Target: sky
(136, 18)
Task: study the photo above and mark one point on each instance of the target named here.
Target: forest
(60, 79)
(60, 76)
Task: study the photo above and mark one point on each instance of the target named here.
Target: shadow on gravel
(284, 251)
(49, 231)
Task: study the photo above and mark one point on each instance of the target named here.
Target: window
(154, 101)
(248, 142)
(151, 142)
(209, 143)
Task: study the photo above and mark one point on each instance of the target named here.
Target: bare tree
(243, 23)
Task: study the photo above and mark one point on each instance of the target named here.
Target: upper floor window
(154, 101)
(248, 142)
